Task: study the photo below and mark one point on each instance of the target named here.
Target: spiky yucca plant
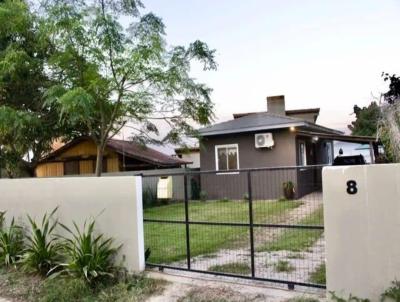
(89, 256)
(43, 247)
(11, 243)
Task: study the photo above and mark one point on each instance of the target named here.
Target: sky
(327, 54)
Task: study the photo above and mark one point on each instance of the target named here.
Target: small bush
(203, 196)
(288, 190)
(392, 293)
(149, 198)
(11, 244)
(89, 256)
(42, 252)
(284, 266)
(225, 199)
(246, 197)
(2, 219)
(195, 189)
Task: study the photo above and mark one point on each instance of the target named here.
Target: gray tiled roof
(259, 121)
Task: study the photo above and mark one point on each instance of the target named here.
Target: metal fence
(262, 224)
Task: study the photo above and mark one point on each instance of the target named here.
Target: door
(71, 167)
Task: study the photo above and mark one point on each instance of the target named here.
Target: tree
(389, 124)
(366, 122)
(27, 128)
(114, 76)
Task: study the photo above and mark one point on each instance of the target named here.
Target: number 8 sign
(352, 187)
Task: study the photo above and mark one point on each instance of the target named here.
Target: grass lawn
(319, 275)
(239, 268)
(167, 241)
(20, 286)
(297, 240)
(284, 266)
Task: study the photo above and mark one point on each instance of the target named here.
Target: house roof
(134, 150)
(288, 112)
(342, 137)
(262, 121)
(127, 148)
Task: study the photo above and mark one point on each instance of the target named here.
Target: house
(274, 138)
(190, 154)
(79, 157)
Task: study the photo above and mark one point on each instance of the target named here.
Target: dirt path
(303, 263)
(185, 289)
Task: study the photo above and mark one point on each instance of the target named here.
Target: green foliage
(239, 268)
(195, 189)
(284, 266)
(367, 118)
(149, 197)
(203, 195)
(20, 286)
(26, 125)
(351, 298)
(89, 256)
(11, 244)
(115, 76)
(300, 239)
(288, 190)
(43, 248)
(392, 293)
(319, 275)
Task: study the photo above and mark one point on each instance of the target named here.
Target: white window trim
(216, 158)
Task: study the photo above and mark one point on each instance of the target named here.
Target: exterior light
(292, 128)
(315, 139)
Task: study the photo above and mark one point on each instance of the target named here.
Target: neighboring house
(189, 154)
(79, 157)
(275, 138)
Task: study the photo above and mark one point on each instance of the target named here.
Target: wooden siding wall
(50, 170)
(86, 166)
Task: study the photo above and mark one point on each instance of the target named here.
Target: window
(302, 154)
(227, 157)
(71, 167)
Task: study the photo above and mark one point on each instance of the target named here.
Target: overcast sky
(327, 54)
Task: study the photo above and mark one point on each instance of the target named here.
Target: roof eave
(251, 129)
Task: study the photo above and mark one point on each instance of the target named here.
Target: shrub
(203, 195)
(11, 244)
(2, 219)
(42, 252)
(149, 197)
(288, 190)
(392, 293)
(195, 189)
(246, 197)
(225, 199)
(89, 256)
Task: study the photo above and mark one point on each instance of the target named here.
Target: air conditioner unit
(264, 140)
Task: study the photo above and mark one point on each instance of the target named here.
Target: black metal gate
(262, 224)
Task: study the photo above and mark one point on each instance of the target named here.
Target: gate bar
(187, 221)
(253, 273)
(289, 283)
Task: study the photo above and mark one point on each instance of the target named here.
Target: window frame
(227, 146)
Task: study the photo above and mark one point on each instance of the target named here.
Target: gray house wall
(265, 184)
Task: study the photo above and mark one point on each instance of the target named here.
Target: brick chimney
(276, 105)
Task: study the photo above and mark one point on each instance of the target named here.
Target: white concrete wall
(115, 203)
(362, 230)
